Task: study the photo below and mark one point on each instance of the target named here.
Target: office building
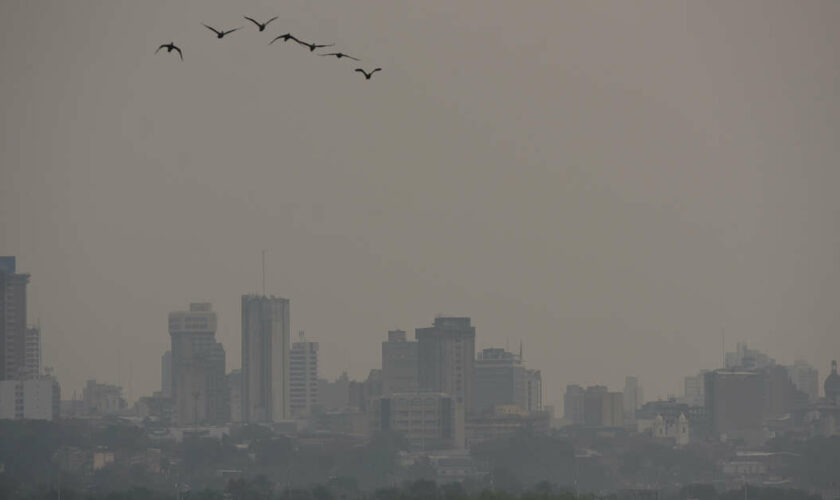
(806, 378)
(735, 400)
(446, 359)
(399, 364)
(102, 399)
(533, 391)
(265, 358)
(500, 379)
(632, 400)
(573, 404)
(32, 353)
(234, 381)
(427, 420)
(12, 320)
(166, 374)
(612, 409)
(303, 377)
(30, 399)
(593, 403)
(199, 385)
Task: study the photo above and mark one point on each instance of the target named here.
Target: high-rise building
(12, 320)
(632, 400)
(32, 353)
(831, 386)
(446, 359)
(234, 379)
(735, 400)
(265, 358)
(166, 374)
(500, 379)
(806, 378)
(573, 404)
(303, 377)
(31, 399)
(399, 364)
(533, 391)
(199, 386)
(694, 389)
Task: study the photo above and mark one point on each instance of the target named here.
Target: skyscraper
(399, 364)
(32, 353)
(303, 377)
(199, 386)
(166, 374)
(446, 359)
(631, 400)
(500, 379)
(573, 404)
(12, 320)
(265, 358)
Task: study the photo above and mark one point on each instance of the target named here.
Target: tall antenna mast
(263, 272)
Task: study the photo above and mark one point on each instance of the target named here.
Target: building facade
(199, 386)
(573, 404)
(102, 399)
(303, 377)
(446, 359)
(30, 399)
(500, 379)
(32, 353)
(399, 364)
(735, 401)
(632, 400)
(166, 374)
(12, 320)
(265, 358)
(427, 420)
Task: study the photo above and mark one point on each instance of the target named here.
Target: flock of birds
(285, 38)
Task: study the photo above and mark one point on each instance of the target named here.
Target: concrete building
(199, 386)
(806, 378)
(632, 400)
(399, 364)
(32, 353)
(303, 377)
(533, 391)
(612, 409)
(593, 404)
(500, 379)
(745, 358)
(265, 358)
(504, 422)
(735, 401)
(334, 395)
(30, 399)
(234, 382)
(102, 399)
(694, 389)
(166, 374)
(573, 404)
(12, 320)
(446, 359)
(427, 420)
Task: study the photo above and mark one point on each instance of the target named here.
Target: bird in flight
(368, 75)
(339, 55)
(260, 25)
(169, 48)
(313, 46)
(220, 34)
(285, 38)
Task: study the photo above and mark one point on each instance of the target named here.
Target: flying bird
(169, 48)
(285, 38)
(368, 75)
(260, 25)
(220, 34)
(313, 46)
(339, 55)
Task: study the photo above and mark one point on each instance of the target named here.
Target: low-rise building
(428, 420)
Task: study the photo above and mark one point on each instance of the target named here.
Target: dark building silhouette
(735, 400)
(399, 364)
(446, 359)
(832, 385)
(573, 405)
(12, 320)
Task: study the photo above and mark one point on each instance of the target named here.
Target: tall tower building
(199, 386)
(446, 359)
(631, 400)
(303, 377)
(166, 374)
(32, 353)
(265, 358)
(12, 320)
(399, 364)
(500, 379)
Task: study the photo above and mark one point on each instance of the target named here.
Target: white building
(303, 377)
(31, 399)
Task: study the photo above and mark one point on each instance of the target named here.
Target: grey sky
(614, 183)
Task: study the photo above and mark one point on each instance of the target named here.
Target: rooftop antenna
(263, 273)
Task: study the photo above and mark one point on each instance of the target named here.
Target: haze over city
(617, 188)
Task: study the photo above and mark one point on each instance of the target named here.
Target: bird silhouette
(339, 55)
(169, 48)
(220, 34)
(313, 46)
(260, 25)
(368, 75)
(285, 38)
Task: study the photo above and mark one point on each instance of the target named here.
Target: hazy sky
(613, 183)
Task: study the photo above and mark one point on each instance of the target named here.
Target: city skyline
(619, 210)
